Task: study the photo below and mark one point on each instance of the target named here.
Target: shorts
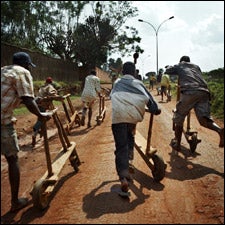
(197, 100)
(9, 141)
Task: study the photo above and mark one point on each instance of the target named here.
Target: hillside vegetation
(215, 80)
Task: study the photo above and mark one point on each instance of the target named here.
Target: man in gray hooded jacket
(194, 94)
(129, 98)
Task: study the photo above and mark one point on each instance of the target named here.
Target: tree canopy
(61, 29)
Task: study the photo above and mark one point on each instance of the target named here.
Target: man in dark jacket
(194, 94)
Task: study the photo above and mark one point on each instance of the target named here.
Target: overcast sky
(197, 30)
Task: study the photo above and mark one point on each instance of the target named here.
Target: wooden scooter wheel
(159, 168)
(40, 197)
(98, 119)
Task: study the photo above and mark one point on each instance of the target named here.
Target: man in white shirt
(90, 93)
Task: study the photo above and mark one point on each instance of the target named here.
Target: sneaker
(82, 121)
(124, 185)
(221, 145)
(22, 202)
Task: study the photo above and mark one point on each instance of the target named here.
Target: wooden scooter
(74, 118)
(190, 134)
(102, 110)
(43, 187)
(153, 160)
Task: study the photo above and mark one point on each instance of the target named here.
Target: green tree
(54, 27)
(116, 66)
(19, 25)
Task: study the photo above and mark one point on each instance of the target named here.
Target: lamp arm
(163, 23)
(151, 26)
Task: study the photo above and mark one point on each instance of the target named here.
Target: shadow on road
(31, 213)
(97, 204)
(184, 169)
(82, 130)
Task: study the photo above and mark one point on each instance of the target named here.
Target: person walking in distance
(194, 94)
(91, 90)
(16, 88)
(158, 79)
(165, 86)
(152, 80)
(129, 98)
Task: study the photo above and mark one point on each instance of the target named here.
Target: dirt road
(192, 191)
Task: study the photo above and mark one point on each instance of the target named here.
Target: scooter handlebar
(155, 113)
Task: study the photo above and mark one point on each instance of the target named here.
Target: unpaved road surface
(192, 191)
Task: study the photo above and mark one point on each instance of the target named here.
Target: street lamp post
(156, 34)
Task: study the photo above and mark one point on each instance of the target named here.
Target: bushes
(217, 99)
(215, 80)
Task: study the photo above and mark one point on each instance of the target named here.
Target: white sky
(197, 30)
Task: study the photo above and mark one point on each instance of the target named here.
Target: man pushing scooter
(129, 98)
(194, 94)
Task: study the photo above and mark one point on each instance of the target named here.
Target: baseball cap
(22, 58)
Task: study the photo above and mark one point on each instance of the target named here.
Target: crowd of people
(128, 94)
